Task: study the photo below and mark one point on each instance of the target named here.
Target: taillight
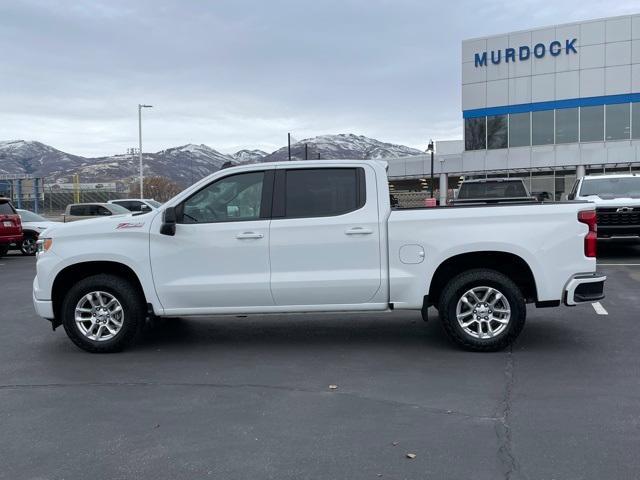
(591, 239)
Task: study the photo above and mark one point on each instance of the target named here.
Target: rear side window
(6, 209)
(78, 210)
(319, 192)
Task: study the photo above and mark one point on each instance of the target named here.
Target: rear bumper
(584, 288)
(9, 239)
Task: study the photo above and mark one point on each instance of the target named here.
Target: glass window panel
(233, 198)
(519, 130)
(592, 123)
(321, 192)
(497, 131)
(542, 127)
(567, 125)
(475, 133)
(635, 120)
(618, 117)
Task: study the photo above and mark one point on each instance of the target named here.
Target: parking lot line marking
(600, 310)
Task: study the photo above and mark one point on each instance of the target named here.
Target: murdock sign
(524, 52)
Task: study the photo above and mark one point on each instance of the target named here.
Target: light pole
(140, 107)
(430, 149)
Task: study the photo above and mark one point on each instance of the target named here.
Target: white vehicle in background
(315, 236)
(137, 204)
(83, 211)
(32, 226)
(617, 200)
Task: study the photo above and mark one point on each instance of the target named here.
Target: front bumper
(584, 288)
(44, 308)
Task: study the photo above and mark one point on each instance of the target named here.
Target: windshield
(153, 203)
(492, 190)
(611, 187)
(27, 216)
(118, 209)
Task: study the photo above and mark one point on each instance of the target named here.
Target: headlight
(44, 244)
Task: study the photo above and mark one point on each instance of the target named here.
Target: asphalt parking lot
(249, 398)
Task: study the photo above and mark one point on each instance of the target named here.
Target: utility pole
(289, 144)
(140, 107)
(306, 152)
(430, 149)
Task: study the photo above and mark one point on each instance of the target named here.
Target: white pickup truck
(314, 236)
(617, 201)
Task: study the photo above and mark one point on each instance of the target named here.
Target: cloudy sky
(237, 74)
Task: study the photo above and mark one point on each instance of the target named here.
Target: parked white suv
(315, 236)
(617, 200)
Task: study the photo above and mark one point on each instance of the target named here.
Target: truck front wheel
(482, 310)
(103, 313)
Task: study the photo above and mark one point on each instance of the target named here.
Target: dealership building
(548, 105)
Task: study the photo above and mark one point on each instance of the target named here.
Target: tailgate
(10, 225)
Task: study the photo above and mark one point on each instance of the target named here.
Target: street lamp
(430, 149)
(140, 107)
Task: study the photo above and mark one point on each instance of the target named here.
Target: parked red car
(10, 226)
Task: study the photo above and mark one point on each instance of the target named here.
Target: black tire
(28, 244)
(3, 250)
(129, 297)
(466, 281)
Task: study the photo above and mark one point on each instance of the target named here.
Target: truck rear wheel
(482, 310)
(103, 313)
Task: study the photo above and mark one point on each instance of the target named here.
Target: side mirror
(145, 208)
(169, 221)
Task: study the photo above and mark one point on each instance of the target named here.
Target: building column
(19, 193)
(444, 187)
(36, 193)
(580, 172)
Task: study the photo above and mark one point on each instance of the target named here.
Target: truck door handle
(358, 231)
(245, 235)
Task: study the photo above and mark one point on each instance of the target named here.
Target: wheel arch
(509, 264)
(72, 274)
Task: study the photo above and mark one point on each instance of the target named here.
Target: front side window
(230, 199)
(320, 192)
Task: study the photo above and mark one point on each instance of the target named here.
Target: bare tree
(158, 188)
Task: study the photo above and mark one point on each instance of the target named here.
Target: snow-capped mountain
(185, 164)
(20, 156)
(245, 156)
(342, 146)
